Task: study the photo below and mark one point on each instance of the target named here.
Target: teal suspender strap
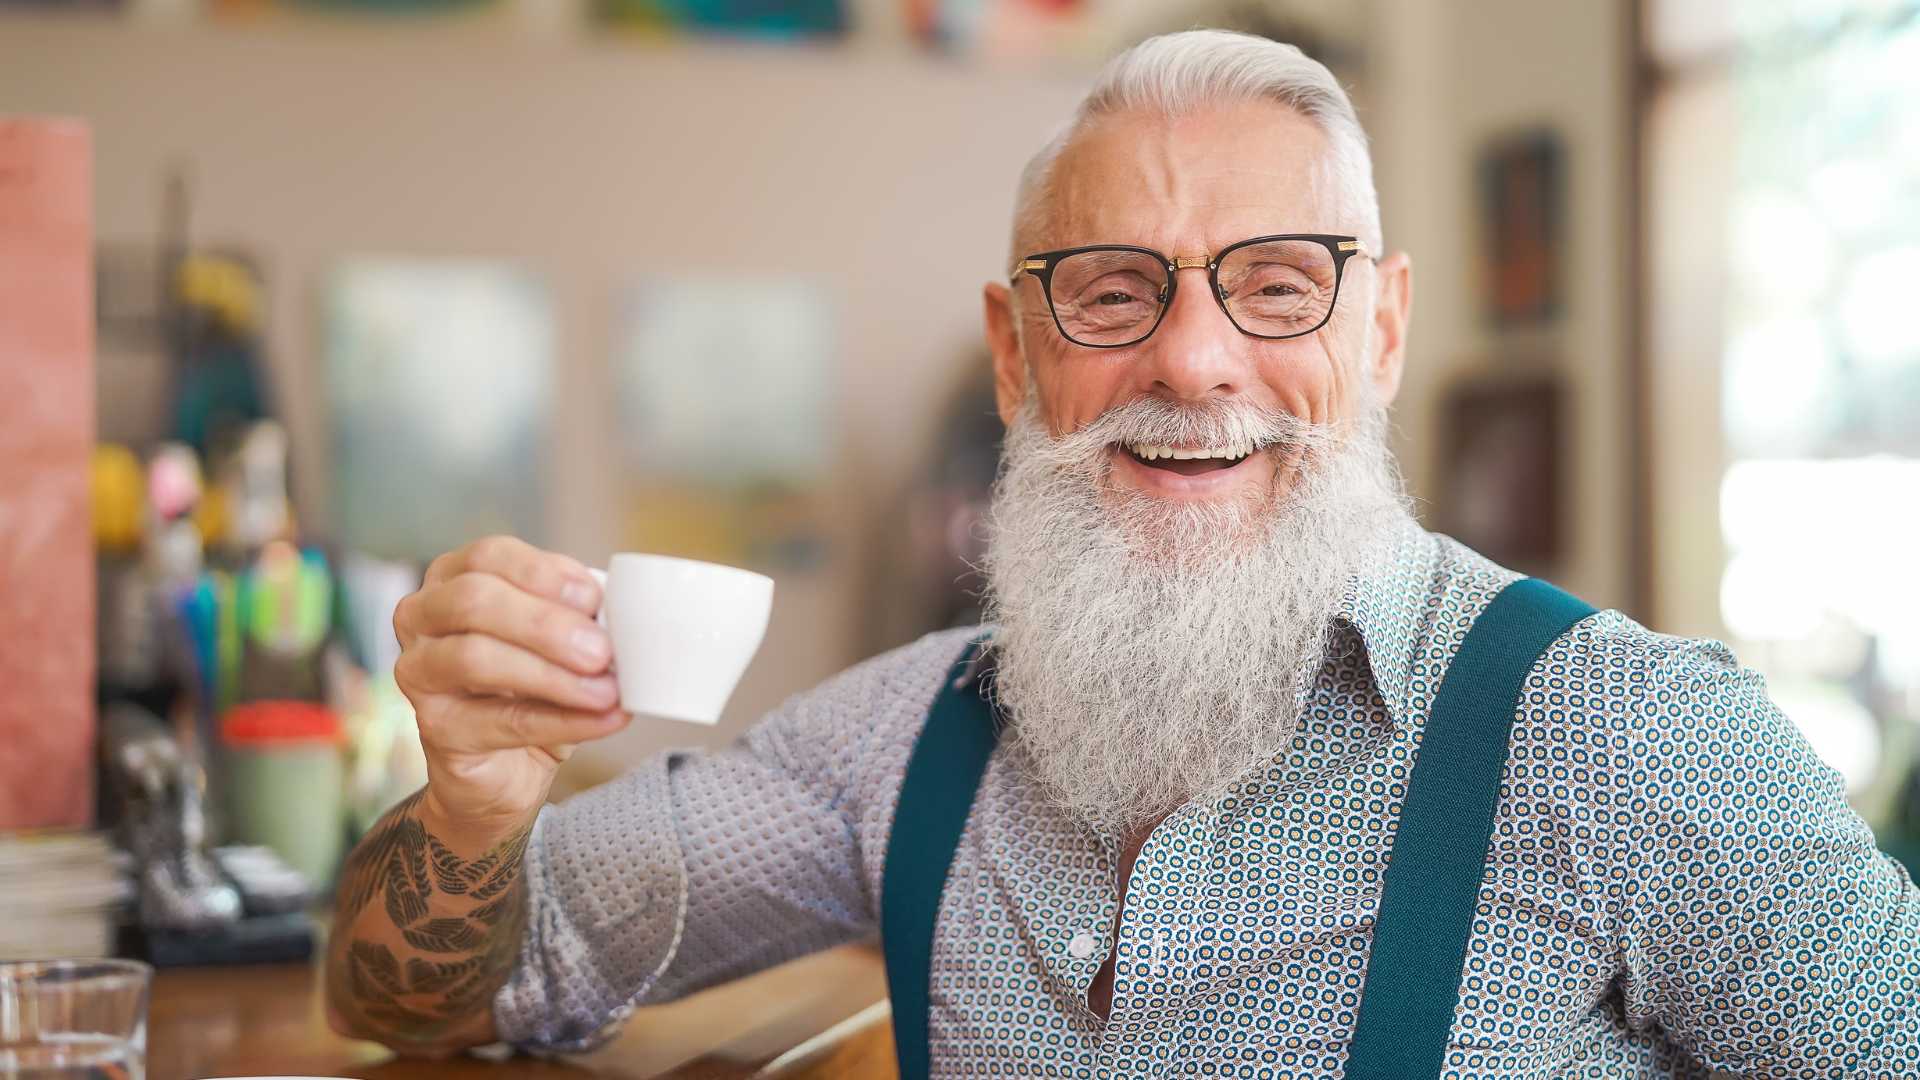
(948, 760)
(1439, 855)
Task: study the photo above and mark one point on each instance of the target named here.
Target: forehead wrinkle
(1183, 200)
(1162, 170)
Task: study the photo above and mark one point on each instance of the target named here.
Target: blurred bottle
(117, 499)
(254, 484)
(174, 552)
(128, 639)
(286, 611)
(284, 782)
(219, 384)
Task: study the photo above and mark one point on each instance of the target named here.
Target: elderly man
(1249, 775)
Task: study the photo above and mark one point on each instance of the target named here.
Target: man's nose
(1196, 353)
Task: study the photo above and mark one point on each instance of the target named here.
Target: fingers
(524, 570)
(479, 603)
(475, 664)
(542, 573)
(477, 726)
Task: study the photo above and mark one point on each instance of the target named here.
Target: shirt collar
(1390, 603)
(1384, 603)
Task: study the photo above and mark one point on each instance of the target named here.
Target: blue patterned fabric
(1675, 883)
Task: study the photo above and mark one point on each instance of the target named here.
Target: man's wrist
(468, 834)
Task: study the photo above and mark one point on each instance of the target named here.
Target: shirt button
(1082, 946)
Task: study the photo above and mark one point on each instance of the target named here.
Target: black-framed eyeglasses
(1109, 296)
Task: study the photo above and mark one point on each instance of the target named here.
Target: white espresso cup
(683, 632)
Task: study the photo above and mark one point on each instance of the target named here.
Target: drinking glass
(74, 1020)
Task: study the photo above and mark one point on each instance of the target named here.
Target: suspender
(948, 761)
(1440, 849)
(1433, 873)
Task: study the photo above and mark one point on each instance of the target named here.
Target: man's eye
(1279, 290)
(1115, 297)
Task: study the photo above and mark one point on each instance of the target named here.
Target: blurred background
(366, 279)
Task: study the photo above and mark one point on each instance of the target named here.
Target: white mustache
(1216, 422)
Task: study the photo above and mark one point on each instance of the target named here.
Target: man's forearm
(427, 927)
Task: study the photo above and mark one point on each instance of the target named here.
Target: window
(1784, 247)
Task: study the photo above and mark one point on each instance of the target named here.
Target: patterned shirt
(1675, 882)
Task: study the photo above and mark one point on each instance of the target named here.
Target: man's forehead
(1195, 182)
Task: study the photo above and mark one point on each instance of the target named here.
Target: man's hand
(507, 671)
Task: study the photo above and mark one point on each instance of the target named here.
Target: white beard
(1151, 652)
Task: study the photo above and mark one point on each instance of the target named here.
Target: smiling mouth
(1188, 460)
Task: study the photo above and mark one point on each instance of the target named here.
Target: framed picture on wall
(724, 417)
(795, 20)
(1523, 228)
(1501, 491)
(440, 383)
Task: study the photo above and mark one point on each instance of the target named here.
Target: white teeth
(1152, 452)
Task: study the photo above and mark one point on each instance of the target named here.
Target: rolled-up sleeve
(607, 905)
(1765, 931)
(703, 866)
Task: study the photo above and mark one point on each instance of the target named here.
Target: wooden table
(270, 1020)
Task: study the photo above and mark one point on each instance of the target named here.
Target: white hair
(1182, 73)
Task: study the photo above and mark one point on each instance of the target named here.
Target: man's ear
(1003, 338)
(1392, 310)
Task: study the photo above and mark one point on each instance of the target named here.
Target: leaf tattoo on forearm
(490, 913)
(375, 967)
(363, 875)
(448, 869)
(415, 874)
(426, 977)
(444, 935)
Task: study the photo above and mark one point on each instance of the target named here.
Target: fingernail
(600, 688)
(579, 594)
(590, 644)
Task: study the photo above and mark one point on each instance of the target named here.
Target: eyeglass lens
(1280, 288)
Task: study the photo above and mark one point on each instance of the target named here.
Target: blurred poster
(1334, 32)
(440, 374)
(757, 18)
(1501, 469)
(723, 390)
(1017, 28)
(375, 7)
(1522, 207)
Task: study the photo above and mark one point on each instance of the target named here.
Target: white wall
(591, 162)
(598, 162)
(1447, 78)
